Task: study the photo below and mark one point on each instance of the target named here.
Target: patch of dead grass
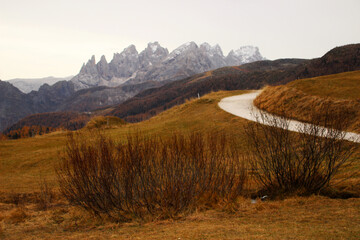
(16, 216)
(313, 217)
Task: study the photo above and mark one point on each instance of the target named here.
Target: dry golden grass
(299, 99)
(295, 218)
(341, 86)
(16, 216)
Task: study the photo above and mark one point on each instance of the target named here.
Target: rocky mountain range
(155, 63)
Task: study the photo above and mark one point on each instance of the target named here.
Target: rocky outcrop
(103, 68)
(155, 63)
(123, 65)
(152, 55)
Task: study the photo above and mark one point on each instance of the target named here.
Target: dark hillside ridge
(89, 99)
(248, 76)
(14, 104)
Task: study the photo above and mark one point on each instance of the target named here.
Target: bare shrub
(304, 162)
(149, 176)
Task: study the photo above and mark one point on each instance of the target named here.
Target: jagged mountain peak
(212, 50)
(217, 49)
(90, 62)
(89, 67)
(246, 50)
(153, 46)
(152, 54)
(103, 59)
(103, 68)
(181, 49)
(130, 50)
(187, 46)
(243, 55)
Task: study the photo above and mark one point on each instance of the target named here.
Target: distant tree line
(29, 131)
(41, 123)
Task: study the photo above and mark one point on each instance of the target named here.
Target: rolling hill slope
(297, 99)
(23, 161)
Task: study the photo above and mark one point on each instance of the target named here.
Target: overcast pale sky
(40, 38)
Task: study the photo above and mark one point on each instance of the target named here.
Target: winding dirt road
(242, 106)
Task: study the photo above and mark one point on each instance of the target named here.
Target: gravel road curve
(242, 106)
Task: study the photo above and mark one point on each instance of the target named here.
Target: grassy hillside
(341, 86)
(23, 162)
(299, 98)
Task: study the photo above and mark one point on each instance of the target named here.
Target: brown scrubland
(112, 180)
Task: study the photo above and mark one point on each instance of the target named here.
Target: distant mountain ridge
(155, 63)
(27, 85)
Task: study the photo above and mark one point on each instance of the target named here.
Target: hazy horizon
(54, 38)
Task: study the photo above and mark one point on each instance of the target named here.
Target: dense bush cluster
(149, 176)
